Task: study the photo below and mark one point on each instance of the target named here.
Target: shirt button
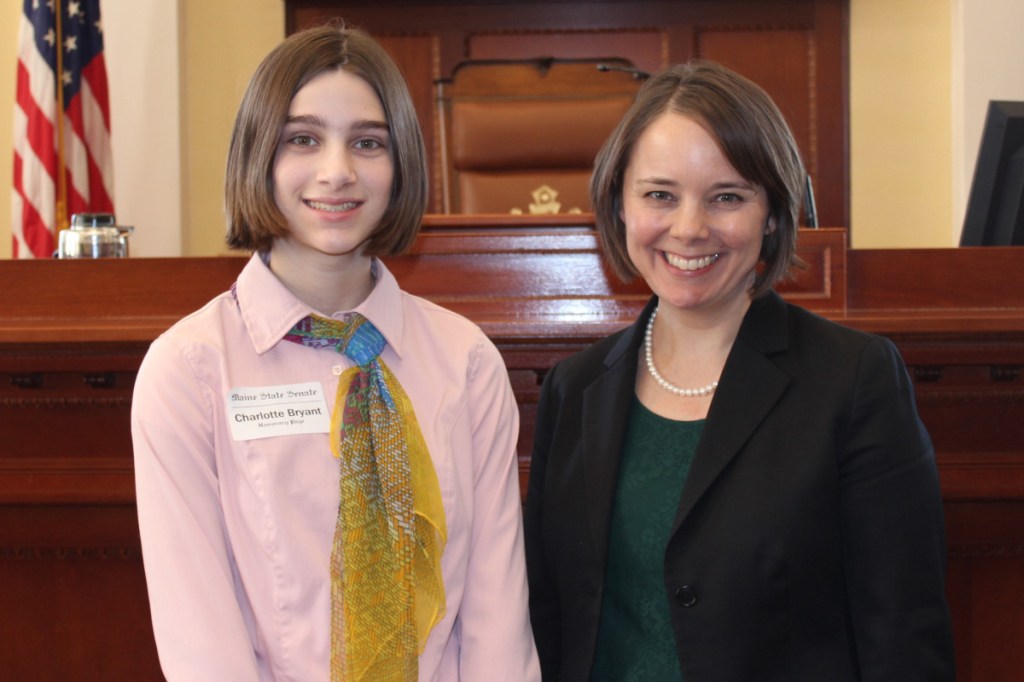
(686, 596)
(337, 370)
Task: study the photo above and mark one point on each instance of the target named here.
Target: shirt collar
(269, 310)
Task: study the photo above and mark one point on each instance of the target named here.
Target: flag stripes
(58, 173)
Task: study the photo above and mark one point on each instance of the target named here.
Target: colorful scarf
(386, 586)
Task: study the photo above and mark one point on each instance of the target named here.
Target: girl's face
(333, 170)
(694, 225)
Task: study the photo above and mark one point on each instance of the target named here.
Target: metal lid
(86, 220)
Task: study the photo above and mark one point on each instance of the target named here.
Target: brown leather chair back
(521, 136)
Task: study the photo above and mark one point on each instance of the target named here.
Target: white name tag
(265, 411)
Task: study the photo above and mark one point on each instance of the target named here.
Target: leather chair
(521, 136)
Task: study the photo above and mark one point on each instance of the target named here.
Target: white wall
(143, 56)
(988, 64)
(900, 123)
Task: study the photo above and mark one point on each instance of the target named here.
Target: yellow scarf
(387, 591)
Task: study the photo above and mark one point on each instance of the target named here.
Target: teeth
(332, 208)
(690, 263)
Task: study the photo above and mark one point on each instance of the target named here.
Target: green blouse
(635, 639)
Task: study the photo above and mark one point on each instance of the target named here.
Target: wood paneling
(647, 49)
(72, 334)
(73, 603)
(795, 49)
(780, 61)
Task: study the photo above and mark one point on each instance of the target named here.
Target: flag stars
(70, 43)
(50, 37)
(74, 9)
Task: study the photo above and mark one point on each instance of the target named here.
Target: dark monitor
(995, 207)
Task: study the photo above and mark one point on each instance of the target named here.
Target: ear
(770, 226)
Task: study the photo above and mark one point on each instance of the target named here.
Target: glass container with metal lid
(94, 235)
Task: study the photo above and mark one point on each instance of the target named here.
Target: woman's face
(333, 169)
(694, 225)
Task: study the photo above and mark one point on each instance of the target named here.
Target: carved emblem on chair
(545, 202)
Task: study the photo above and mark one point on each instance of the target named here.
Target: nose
(336, 168)
(689, 222)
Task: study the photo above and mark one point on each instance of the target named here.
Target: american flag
(66, 170)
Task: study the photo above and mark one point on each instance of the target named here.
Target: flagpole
(62, 189)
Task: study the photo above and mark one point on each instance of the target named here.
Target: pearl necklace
(662, 381)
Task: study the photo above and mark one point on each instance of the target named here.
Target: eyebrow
(739, 184)
(317, 121)
(727, 184)
(656, 181)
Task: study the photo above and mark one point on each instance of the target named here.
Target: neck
(699, 333)
(327, 285)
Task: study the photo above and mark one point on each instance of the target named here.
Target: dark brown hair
(252, 215)
(752, 134)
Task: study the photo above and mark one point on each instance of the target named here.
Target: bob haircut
(252, 214)
(753, 136)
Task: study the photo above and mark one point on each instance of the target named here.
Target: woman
(732, 488)
(283, 538)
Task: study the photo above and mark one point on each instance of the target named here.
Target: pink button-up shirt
(236, 534)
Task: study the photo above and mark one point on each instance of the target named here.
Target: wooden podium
(73, 602)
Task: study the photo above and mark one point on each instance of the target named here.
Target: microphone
(637, 74)
(810, 210)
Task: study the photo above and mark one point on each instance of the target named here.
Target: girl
(325, 464)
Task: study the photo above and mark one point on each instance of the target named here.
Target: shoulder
(205, 324)
(426, 320)
(838, 340)
(806, 323)
(419, 327)
(443, 337)
(181, 371)
(581, 368)
(824, 355)
(774, 324)
(435, 317)
(194, 339)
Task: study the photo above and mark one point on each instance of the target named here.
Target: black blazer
(809, 541)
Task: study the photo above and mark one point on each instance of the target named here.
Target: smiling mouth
(690, 263)
(332, 208)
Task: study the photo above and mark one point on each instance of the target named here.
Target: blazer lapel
(606, 404)
(750, 386)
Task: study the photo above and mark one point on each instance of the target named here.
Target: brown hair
(752, 134)
(252, 214)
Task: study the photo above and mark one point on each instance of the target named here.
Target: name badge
(265, 411)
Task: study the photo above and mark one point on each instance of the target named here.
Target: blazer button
(686, 596)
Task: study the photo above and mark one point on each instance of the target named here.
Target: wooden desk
(72, 333)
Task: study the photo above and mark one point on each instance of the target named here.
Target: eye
(660, 195)
(728, 198)
(302, 140)
(369, 144)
